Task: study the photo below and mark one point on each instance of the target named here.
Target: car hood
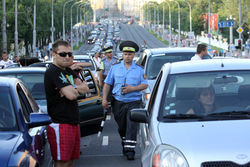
(7, 144)
(209, 141)
(42, 105)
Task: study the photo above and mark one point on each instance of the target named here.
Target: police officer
(106, 63)
(128, 80)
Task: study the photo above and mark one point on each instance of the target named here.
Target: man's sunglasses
(64, 54)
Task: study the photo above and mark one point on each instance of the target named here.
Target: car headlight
(167, 156)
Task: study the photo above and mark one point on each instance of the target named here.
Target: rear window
(155, 62)
(92, 68)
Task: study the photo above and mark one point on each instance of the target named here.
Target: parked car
(22, 127)
(90, 107)
(215, 133)
(153, 59)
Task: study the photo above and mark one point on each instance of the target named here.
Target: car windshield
(92, 68)
(155, 62)
(34, 82)
(7, 113)
(213, 95)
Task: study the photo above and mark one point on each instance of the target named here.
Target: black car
(90, 105)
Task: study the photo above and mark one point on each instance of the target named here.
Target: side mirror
(38, 119)
(139, 115)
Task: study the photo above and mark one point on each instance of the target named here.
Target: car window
(7, 113)
(206, 93)
(34, 82)
(92, 68)
(154, 93)
(155, 62)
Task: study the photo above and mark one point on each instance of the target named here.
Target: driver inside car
(205, 102)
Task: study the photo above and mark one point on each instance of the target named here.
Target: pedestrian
(62, 87)
(6, 61)
(106, 63)
(129, 80)
(200, 52)
(97, 60)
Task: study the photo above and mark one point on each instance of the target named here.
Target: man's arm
(137, 88)
(69, 92)
(106, 89)
(101, 79)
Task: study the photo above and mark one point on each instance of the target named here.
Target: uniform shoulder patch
(140, 65)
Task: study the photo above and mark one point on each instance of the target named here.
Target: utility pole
(209, 30)
(4, 35)
(16, 32)
(52, 22)
(34, 31)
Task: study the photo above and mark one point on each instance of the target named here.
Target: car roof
(81, 57)
(6, 81)
(207, 65)
(170, 50)
(23, 70)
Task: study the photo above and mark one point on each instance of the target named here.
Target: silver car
(198, 115)
(153, 59)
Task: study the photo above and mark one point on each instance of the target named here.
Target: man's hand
(105, 104)
(126, 89)
(82, 88)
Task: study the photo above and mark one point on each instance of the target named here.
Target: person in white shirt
(5, 62)
(97, 60)
(200, 53)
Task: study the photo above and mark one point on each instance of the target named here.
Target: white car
(87, 59)
(153, 59)
(198, 115)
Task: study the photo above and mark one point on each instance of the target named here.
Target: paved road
(106, 150)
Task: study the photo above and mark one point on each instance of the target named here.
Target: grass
(80, 44)
(159, 38)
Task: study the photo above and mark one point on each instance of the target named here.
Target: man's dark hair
(59, 43)
(200, 48)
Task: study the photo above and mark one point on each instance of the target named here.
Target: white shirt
(97, 62)
(6, 63)
(196, 57)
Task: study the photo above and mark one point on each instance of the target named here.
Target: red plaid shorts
(64, 140)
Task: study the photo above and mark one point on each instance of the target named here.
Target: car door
(36, 136)
(145, 134)
(90, 106)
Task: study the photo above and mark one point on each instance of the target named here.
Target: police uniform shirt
(106, 64)
(118, 76)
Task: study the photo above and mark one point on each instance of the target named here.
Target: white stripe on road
(105, 140)
(108, 117)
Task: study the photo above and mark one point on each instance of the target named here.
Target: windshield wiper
(183, 116)
(232, 114)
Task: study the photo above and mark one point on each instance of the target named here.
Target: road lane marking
(105, 140)
(108, 117)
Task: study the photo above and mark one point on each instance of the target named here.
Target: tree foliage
(43, 20)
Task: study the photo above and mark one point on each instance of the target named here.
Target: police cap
(107, 49)
(128, 46)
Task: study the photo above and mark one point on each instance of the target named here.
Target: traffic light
(239, 44)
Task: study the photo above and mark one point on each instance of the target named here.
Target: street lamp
(16, 32)
(52, 21)
(190, 15)
(34, 31)
(179, 23)
(170, 29)
(4, 35)
(63, 17)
